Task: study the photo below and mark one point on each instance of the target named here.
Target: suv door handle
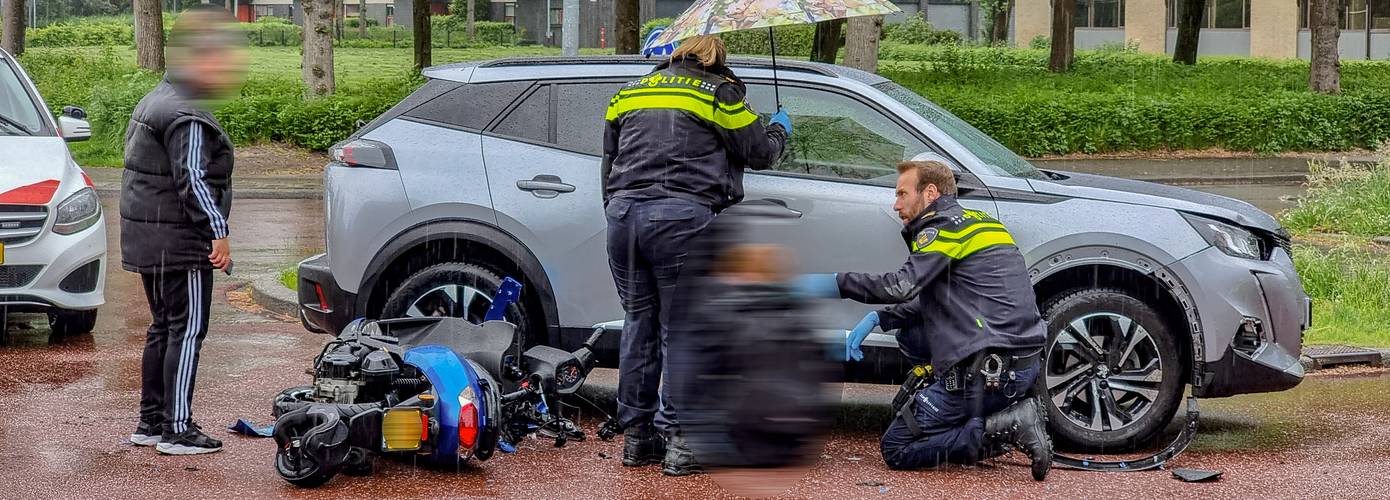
(540, 184)
(766, 207)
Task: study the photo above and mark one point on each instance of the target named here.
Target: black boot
(642, 445)
(680, 461)
(1024, 426)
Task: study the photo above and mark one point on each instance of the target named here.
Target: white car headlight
(1231, 240)
(78, 212)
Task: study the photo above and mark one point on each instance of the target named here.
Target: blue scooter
(439, 389)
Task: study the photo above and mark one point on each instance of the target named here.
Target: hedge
(791, 40)
(274, 31)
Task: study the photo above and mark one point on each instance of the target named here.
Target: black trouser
(179, 301)
(950, 425)
(647, 244)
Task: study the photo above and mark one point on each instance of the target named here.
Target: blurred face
(218, 73)
(910, 200)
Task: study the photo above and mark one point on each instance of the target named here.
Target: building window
(1221, 14)
(509, 12)
(1353, 14)
(265, 10)
(1100, 14)
(557, 16)
(1380, 14)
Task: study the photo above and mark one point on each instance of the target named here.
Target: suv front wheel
(1111, 374)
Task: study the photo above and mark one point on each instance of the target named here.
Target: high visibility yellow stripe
(961, 249)
(696, 106)
(703, 96)
(955, 235)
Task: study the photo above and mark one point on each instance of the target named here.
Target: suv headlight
(78, 212)
(1231, 240)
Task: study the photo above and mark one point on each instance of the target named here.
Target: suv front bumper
(323, 306)
(1253, 315)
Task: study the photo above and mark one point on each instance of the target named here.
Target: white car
(52, 233)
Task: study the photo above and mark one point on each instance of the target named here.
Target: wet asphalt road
(66, 408)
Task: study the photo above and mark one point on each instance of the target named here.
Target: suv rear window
(470, 106)
(580, 124)
(530, 119)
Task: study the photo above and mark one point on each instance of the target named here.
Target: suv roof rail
(746, 62)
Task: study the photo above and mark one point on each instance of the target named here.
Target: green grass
(1347, 276)
(290, 277)
(1350, 286)
(1351, 199)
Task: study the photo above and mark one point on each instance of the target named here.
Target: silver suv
(491, 168)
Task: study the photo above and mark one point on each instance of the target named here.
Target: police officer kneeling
(963, 301)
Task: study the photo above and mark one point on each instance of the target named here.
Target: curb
(268, 292)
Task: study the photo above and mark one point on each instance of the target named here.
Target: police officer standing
(175, 200)
(676, 144)
(963, 301)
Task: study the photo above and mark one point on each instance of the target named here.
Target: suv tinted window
(837, 137)
(530, 119)
(582, 105)
(471, 106)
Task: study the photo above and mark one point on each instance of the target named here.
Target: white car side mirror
(74, 129)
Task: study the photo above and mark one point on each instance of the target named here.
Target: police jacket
(964, 284)
(176, 192)
(685, 131)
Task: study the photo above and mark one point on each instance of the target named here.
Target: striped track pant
(179, 301)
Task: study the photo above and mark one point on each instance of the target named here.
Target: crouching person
(963, 301)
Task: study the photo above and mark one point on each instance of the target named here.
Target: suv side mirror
(73, 125)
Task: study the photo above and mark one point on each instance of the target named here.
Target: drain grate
(1332, 355)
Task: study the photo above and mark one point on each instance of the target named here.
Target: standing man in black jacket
(676, 144)
(176, 197)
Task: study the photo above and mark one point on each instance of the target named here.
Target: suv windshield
(995, 156)
(18, 113)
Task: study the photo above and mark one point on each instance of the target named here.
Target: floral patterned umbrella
(706, 17)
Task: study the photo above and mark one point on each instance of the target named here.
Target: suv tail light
(364, 153)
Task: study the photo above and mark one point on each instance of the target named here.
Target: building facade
(1258, 28)
(541, 20)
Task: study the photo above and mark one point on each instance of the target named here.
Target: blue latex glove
(781, 118)
(858, 334)
(820, 286)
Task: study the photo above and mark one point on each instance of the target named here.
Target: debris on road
(870, 483)
(1196, 475)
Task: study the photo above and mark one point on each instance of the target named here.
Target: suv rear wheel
(1111, 376)
(65, 323)
(453, 289)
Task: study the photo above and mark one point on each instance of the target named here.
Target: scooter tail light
(468, 427)
(468, 420)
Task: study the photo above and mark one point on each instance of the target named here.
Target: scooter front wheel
(299, 469)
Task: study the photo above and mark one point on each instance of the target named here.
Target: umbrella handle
(772, 42)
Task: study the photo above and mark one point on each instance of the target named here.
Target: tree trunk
(338, 19)
(149, 34)
(362, 19)
(1325, 75)
(317, 64)
(626, 26)
(861, 42)
(1063, 35)
(420, 20)
(12, 30)
(999, 30)
(472, 6)
(1189, 31)
(826, 45)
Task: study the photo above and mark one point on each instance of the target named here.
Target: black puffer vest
(162, 225)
